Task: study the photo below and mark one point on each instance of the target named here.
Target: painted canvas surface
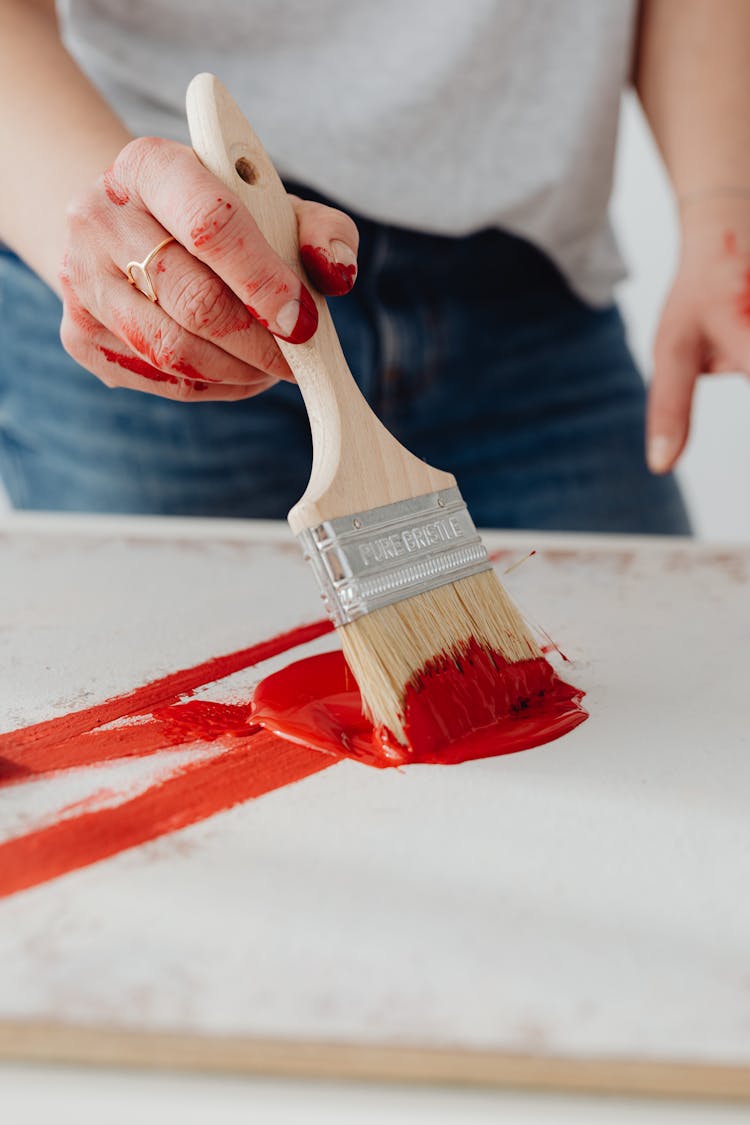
(583, 898)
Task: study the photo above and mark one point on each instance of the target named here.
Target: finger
(163, 343)
(199, 301)
(328, 242)
(215, 226)
(102, 353)
(677, 359)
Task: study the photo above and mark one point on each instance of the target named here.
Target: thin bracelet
(723, 192)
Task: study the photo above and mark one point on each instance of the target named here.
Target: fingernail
(660, 453)
(296, 321)
(332, 269)
(343, 254)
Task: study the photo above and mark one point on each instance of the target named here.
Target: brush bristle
(388, 648)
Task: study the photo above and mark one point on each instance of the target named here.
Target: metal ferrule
(372, 559)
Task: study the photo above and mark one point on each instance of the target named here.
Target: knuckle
(183, 391)
(269, 358)
(166, 345)
(82, 208)
(200, 301)
(71, 338)
(264, 285)
(133, 156)
(215, 224)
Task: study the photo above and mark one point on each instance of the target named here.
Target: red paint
(254, 313)
(87, 324)
(160, 267)
(307, 318)
(198, 386)
(138, 366)
(22, 745)
(253, 762)
(202, 233)
(133, 334)
(730, 243)
(484, 709)
(329, 276)
(201, 789)
(116, 193)
(189, 371)
(314, 703)
(743, 298)
(239, 321)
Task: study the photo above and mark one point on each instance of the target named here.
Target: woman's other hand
(705, 325)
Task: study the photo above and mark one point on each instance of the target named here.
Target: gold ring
(142, 267)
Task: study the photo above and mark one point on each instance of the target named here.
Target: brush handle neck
(357, 464)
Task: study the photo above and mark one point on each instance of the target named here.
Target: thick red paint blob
(330, 277)
(483, 709)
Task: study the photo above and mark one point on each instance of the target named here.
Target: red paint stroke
(483, 708)
(313, 705)
(730, 243)
(255, 762)
(328, 275)
(51, 733)
(116, 193)
(199, 790)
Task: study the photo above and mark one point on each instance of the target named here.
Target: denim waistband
(494, 261)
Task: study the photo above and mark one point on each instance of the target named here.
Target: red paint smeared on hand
(329, 276)
(138, 366)
(190, 372)
(730, 243)
(307, 319)
(743, 298)
(485, 709)
(116, 193)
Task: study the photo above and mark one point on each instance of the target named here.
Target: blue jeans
(473, 351)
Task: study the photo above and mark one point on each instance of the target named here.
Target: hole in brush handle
(246, 170)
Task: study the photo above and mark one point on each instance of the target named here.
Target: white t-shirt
(446, 116)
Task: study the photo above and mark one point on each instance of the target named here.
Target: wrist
(715, 222)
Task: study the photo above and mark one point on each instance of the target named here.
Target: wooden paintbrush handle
(357, 463)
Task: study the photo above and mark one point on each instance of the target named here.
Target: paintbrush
(403, 572)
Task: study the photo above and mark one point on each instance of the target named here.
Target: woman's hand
(222, 293)
(705, 325)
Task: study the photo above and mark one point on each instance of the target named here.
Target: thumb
(677, 365)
